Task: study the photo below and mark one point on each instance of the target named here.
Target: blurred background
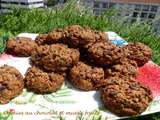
(133, 10)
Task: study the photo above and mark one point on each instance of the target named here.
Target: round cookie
(125, 67)
(85, 77)
(79, 37)
(56, 57)
(99, 37)
(139, 52)
(105, 53)
(41, 39)
(56, 36)
(125, 96)
(41, 82)
(11, 83)
(21, 46)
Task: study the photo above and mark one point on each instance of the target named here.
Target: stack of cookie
(89, 61)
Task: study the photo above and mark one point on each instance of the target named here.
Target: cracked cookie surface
(21, 47)
(11, 83)
(139, 52)
(56, 57)
(125, 96)
(85, 77)
(39, 81)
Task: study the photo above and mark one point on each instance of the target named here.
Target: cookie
(41, 82)
(21, 46)
(99, 37)
(56, 36)
(56, 57)
(79, 37)
(85, 77)
(11, 83)
(125, 96)
(41, 39)
(139, 52)
(124, 67)
(105, 53)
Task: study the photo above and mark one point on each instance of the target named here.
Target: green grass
(44, 20)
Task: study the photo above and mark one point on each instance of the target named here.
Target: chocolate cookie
(124, 67)
(85, 77)
(41, 82)
(11, 83)
(139, 53)
(125, 96)
(56, 36)
(21, 47)
(79, 37)
(56, 57)
(41, 39)
(99, 37)
(105, 53)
